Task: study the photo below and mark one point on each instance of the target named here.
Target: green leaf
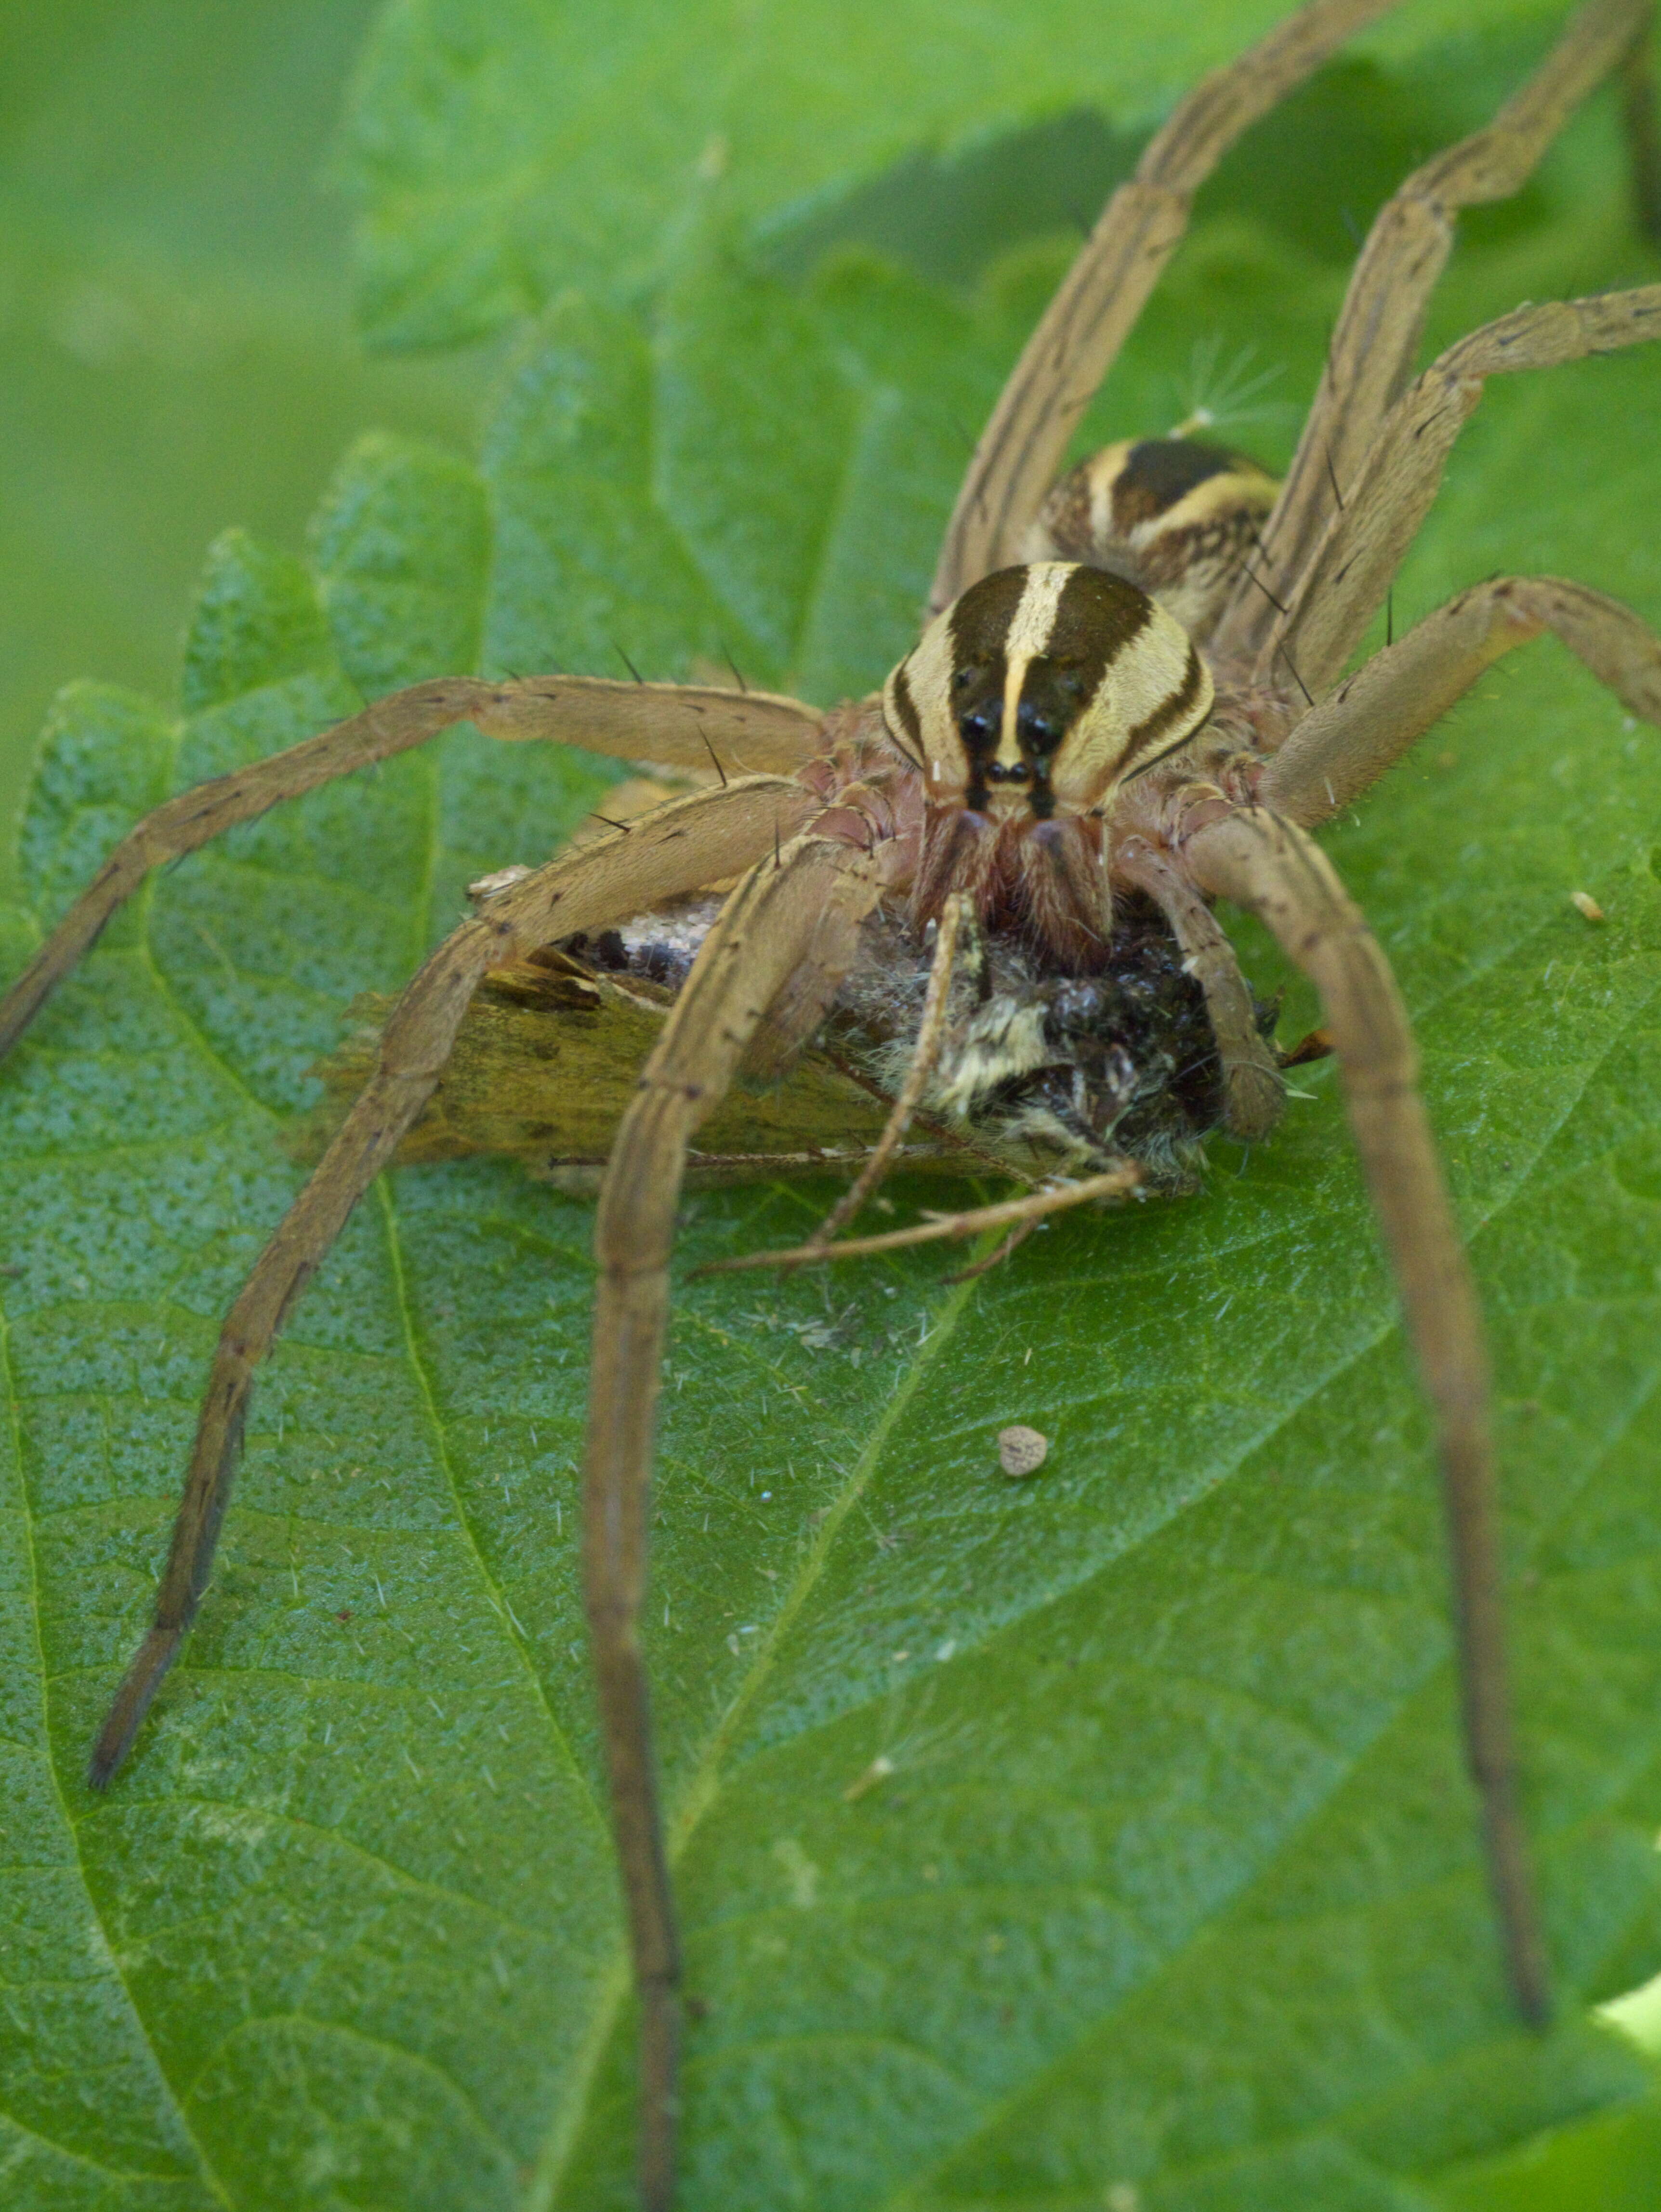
(502, 149)
(1099, 1840)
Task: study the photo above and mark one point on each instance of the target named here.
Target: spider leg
(1254, 1094)
(679, 725)
(1347, 742)
(930, 1030)
(1382, 317)
(693, 841)
(1010, 1213)
(1346, 578)
(800, 911)
(1091, 316)
(1270, 866)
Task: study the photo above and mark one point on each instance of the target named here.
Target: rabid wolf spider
(1129, 701)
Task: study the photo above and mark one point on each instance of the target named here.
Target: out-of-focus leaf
(1095, 1841)
(502, 148)
(176, 351)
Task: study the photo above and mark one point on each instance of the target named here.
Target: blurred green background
(176, 348)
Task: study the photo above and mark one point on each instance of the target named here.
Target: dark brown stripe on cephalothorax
(1158, 472)
(980, 619)
(1174, 713)
(979, 629)
(1098, 616)
(906, 707)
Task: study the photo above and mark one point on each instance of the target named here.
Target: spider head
(1025, 705)
(1040, 689)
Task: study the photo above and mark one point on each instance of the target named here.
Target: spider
(1129, 701)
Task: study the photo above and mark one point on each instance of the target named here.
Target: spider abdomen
(1171, 514)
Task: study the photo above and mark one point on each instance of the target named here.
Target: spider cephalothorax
(1059, 774)
(1026, 706)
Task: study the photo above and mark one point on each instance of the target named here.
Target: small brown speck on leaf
(1021, 1451)
(1583, 902)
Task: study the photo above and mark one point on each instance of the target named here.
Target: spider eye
(1040, 732)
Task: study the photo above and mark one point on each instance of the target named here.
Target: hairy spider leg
(681, 846)
(1346, 578)
(931, 1029)
(798, 912)
(1382, 321)
(1011, 1212)
(1358, 731)
(672, 723)
(1102, 296)
(1276, 870)
(1254, 1093)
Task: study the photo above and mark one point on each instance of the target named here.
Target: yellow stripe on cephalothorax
(917, 704)
(1028, 637)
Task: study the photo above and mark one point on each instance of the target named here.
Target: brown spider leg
(1383, 319)
(1093, 314)
(1270, 866)
(679, 725)
(1346, 576)
(797, 914)
(1114, 1183)
(691, 841)
(1254, 1095)
(927, 1050)
(1347, 742)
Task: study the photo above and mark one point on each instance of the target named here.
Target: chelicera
(1129, 700)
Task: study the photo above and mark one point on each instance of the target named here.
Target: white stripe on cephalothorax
(1030, 632)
